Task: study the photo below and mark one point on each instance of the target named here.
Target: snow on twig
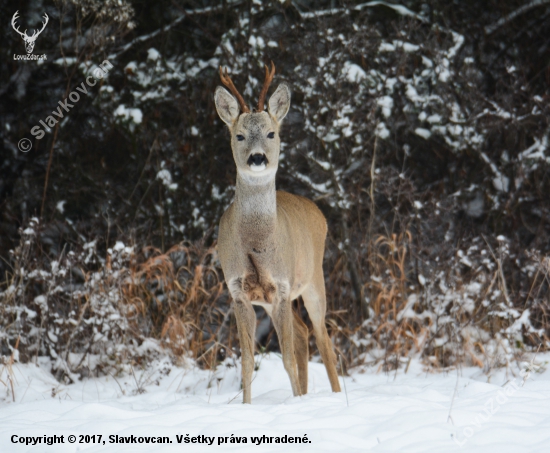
(400, 9)
(510, 17)
(186, 13)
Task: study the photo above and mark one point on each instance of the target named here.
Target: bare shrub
(98, 315)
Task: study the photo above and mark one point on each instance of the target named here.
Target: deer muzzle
(257, 162)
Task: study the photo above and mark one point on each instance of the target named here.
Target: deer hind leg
(316, 305)
(246, 325)
(283, 321)
(301, 351)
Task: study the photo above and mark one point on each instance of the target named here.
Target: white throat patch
(258, 199)
(258, 176)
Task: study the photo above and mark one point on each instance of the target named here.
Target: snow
(386, 47)
(353, 72)
(444, 74)
(66, 61)
(500, 182)
(424, 133)
(404, 11)
(60, 206)
(131, 67)
(386, 102)
(331, 137)
(406, 46)
(166, 177)
(381, 130)
(467, 411)
(120, 247)
(536, 150)
(135, 115)
(153, 54)
(256, 41)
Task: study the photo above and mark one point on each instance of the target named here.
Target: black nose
(257, 159)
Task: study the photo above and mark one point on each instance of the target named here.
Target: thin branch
(510, 17)
(186, 13)
(400, 9)
(57, 125)
(48, 168)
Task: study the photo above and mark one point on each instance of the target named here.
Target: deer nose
(257, 159)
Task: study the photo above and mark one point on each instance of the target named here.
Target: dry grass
(181, 296)
(389, 291)
(7, 369)
(461, 311)
(459, 314)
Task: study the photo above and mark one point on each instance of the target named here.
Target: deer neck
(256, 207)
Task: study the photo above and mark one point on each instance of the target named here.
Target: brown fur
(271, 246)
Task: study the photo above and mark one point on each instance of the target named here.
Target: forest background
(419, 128)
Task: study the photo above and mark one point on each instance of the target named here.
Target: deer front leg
(283, 321)
(246, 325)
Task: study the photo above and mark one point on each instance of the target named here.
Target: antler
(13, 19)
(226, 80)
(35, 33)
(267, 81)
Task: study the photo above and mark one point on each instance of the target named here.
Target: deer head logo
(29, 40)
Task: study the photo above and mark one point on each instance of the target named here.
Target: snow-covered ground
(509, 411)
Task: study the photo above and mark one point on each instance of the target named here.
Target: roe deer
(271, 243)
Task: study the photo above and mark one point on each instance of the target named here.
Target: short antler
(268, 78)
(226, 80)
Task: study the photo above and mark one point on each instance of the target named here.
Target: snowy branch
(404, 11)
(510, 17)
(186, 13)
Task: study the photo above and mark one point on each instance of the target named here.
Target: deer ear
(226, 105)
(279, 102)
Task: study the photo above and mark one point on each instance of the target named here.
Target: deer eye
(240, 137)
(271, 135)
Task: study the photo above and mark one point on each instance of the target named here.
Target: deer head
(29, 40)
(254, 134)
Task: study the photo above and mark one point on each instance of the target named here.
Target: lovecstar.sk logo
(29, 40)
